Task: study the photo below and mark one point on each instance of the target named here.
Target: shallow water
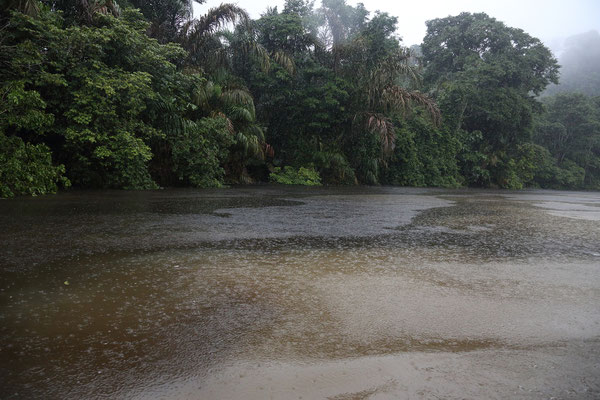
(269, 292)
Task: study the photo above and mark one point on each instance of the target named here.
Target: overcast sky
(549, 20)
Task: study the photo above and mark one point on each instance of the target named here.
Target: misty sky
(549, 20)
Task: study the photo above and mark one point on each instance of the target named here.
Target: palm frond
(240, 114)
(202, 37)
(239, 97)
(382, 126)
(218, 58)
(242, 141)
(171, 122)
(285, 61)
(254, 146)
(204, 93)
(216, 18)
(257, 131)
(396, 98)
(250, 47)
(377, 124)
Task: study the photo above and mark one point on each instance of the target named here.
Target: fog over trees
(580, 61)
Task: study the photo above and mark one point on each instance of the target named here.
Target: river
(312, 293)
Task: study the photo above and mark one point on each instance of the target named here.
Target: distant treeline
(579, 61)
(139, 94)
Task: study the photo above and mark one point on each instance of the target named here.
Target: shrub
(199, 151)
(26, 169)
(290, 176)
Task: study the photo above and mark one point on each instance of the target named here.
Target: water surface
(269, 292)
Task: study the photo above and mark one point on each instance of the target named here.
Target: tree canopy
(141, 94)
(486, 75)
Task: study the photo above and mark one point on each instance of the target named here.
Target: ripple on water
(181, 295)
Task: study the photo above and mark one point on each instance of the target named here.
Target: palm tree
(231, 100)
(382, 73)
(167, 17)
(213, 49)
(200, 37)
(383, 94)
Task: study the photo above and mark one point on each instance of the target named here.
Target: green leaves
(22, 109)
(570, 130)
(290, 176)
(199, 151)
(101, 83)
(484, 73)
(331, 88)
(26, 169)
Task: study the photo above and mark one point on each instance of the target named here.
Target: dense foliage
(569, 131)
(135, 94)
(290, 176)
(486, 75)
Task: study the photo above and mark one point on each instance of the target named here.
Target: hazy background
(550, 20)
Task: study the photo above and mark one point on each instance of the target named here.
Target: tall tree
(377, 66)
(485, 75)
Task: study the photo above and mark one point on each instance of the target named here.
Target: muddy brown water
(313, 293)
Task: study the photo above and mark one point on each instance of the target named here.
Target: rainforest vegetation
(143, 94)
